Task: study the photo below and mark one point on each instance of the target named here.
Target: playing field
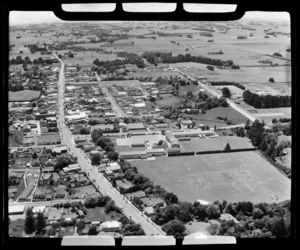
(242, 176)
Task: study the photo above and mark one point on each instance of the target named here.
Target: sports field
(242, 176)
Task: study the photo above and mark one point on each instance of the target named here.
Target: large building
(133, 155)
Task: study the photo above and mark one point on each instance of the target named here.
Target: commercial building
(135, 126)
(71, 168)
(133, 155)
(19, 209)
(155, 152)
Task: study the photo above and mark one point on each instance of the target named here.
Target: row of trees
(267, 142)
(168, 58)
(236, 84)
(111, 66)
(266, 101)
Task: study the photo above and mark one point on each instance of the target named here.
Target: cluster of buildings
(73, 74)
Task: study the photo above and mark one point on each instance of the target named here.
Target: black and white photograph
(174, 129)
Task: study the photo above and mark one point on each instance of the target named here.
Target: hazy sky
(28, 17)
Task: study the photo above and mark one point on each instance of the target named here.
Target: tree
(40, 222)
(227, 147)
(29, 225)
(34, 155)
(185, 211)
(80, 225)
(96, 158)
(175, 228)
(271, 79)
(62, 161)
(171, 198)
(96, 134)
(226, 92)
(213, 211)
(160, 142)
(92, 230)
(112, 156)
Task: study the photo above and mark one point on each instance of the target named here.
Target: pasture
(210, 117)
(242, 176)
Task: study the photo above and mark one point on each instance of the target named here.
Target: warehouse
(133, 155)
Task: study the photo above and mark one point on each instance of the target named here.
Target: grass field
(167, 101)
(210, 117)
(98, 214)
(23, 96)
(242, 176)
(219, 143)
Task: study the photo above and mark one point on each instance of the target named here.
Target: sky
(31, 17)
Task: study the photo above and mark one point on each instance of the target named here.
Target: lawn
(242, 176)
(16, 228)
(168, 101)
(98, 214)
(219, 143)
(193, 227)
(23, 96)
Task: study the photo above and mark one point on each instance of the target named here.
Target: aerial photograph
(149, 128)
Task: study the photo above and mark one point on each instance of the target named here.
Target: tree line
(168, 58)
(266, 101)
(236, 84)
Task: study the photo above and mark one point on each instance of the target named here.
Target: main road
(100, 182)
(215, 93)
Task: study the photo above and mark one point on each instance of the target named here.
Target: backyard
(98, 214)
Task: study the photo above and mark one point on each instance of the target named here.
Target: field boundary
(212, 152)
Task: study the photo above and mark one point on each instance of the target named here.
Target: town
(123, 129)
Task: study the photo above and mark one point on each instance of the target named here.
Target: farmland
(232, 177)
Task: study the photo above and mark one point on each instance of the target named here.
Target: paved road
(215, 93)
(103, 185)
(118, 111)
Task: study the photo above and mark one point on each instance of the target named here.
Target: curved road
(103, 185)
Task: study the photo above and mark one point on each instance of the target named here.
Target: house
(71, 168)
(114, 167)
(125, 184)
(149, 210)
(59, 150)
(172, 139)
(111, 226)
(39, 209)
(53, 215)
(138, 194)
(88, 147)
(228, 217)
(94, 152)
(185, 123)
(133, 155)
